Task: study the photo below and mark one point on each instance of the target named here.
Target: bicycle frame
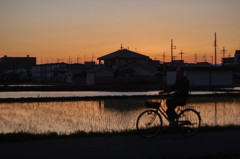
(162, 112)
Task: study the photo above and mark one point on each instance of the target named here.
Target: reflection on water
(39, 94)
(52, 94)
(100, 115)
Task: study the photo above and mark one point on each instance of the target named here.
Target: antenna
(172, 47)
(181, 53)
(121, 47)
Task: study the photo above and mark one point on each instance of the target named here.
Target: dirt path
(224, 144)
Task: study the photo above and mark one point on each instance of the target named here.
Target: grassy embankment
(23, 136)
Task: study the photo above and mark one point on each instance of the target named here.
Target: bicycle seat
(155, 105)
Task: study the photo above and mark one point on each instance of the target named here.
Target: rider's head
(180, 71)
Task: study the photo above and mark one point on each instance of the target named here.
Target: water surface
(103, 115)
(54, 94)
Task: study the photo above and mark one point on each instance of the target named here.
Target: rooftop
(124, 53)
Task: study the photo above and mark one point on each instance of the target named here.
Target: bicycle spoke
(189, 122)
(149, 123)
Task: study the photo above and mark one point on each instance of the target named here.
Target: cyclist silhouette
(179, 98)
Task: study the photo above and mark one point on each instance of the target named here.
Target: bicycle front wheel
(149, 123)
(189, 121)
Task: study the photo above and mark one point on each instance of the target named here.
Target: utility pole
(215, 45)
(181, 53)
(223, 51)
(204, 58)
(69, 60)
(164, 57)
(172, 47)
(195, 57)
(212, 59)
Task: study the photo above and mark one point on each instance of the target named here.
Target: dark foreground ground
(222, 144)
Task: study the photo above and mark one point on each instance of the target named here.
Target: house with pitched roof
(122, 57)
(122, 66)
(127, 63)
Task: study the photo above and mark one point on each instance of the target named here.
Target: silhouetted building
(177, 62)
(100, 75)
(228, 61)
(237, 57)
(232, 60)
(89, 63)
(12, 63)
(122, 57)
(204, 75)
(58, 72)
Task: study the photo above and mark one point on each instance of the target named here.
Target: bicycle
(149, 122)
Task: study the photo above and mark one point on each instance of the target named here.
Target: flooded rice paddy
(104, 115)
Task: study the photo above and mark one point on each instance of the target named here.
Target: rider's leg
(171, 105)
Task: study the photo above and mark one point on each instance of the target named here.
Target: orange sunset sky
(86, 29)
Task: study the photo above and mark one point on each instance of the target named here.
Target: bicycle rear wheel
(189, 121)
(149, 123)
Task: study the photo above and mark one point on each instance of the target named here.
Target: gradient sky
(52, 29)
